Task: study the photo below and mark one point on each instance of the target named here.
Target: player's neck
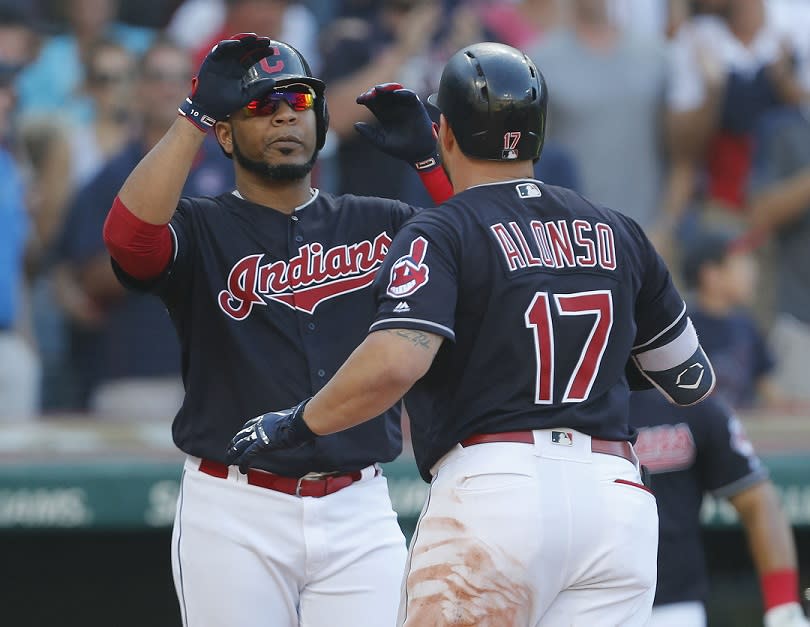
(283, 196)
(478, 172)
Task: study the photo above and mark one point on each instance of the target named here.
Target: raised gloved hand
(274, 430)
(217, 90)
(404, 129)
(787, 615)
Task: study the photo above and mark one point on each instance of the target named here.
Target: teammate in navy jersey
(508, 316)
(269, 288)
(690, 451)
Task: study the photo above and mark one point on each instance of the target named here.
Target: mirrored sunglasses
(298, 98)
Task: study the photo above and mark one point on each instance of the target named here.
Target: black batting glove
(272, 431)
(404, 129)
(217, 90)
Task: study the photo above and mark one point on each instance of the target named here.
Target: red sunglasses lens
(266, 106)
(297, 101)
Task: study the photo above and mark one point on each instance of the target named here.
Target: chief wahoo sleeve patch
(409, 272)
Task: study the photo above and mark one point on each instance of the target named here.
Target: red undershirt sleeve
(437, 184)
(141, 249)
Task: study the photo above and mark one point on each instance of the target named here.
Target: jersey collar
(312, 190)
(507, 182)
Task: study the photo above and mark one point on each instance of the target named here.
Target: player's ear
(446, 138)
(224, 135)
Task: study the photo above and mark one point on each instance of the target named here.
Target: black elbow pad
(685, 384)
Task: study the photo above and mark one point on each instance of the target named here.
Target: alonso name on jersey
(556, 244)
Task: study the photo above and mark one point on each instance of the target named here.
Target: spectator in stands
(730, 65)
(150, 13)
(598, 108)
(19, 41)
(646, 20)
(61, 159)
(722, 271)
(109, 80)
(18, 48)
(44, 151)
(125, 343)
(200, 24)
(52, 83)
(557, 167)
(520, 24)
(780, 207)
(407, 41)
(19, 364)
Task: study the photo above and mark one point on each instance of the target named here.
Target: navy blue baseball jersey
(267, 307)
(689, 451)
(541, 296)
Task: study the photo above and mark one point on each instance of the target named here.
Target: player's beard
(269, 171)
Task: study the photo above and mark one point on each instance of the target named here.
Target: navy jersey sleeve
(416, 286)
(177, 277)
(727, 461)
(666, 350)
(400, 214)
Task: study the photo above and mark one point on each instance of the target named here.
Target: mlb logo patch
(563, 438)
(528, 190)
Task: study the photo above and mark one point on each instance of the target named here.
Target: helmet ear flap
(322, 120)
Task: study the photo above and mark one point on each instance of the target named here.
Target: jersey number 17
(538, 319)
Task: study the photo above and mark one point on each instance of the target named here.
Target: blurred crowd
(692, 117)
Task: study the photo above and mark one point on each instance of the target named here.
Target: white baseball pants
(253, 557)
(535, 535)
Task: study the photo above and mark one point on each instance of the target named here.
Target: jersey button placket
(294, 239)
(307, 324)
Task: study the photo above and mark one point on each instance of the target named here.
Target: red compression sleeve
(143, 250)
(437, 184)
(779, 587)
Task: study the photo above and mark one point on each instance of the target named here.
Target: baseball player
(508, 315)
(690, 451)
(269, 288)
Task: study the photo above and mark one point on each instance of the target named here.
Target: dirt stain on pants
(457, 579)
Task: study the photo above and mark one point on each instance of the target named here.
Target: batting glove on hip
(404, 129)
(787, 615)
(274, 430)
(217, 90)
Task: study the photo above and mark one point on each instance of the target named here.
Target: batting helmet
(494, 99)
(284, 66)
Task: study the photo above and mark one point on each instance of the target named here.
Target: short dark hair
(706, 247)
(13, 16)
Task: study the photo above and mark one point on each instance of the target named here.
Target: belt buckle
(310, 476)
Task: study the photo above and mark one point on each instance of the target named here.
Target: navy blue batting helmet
(284, 66)
(495, 100)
